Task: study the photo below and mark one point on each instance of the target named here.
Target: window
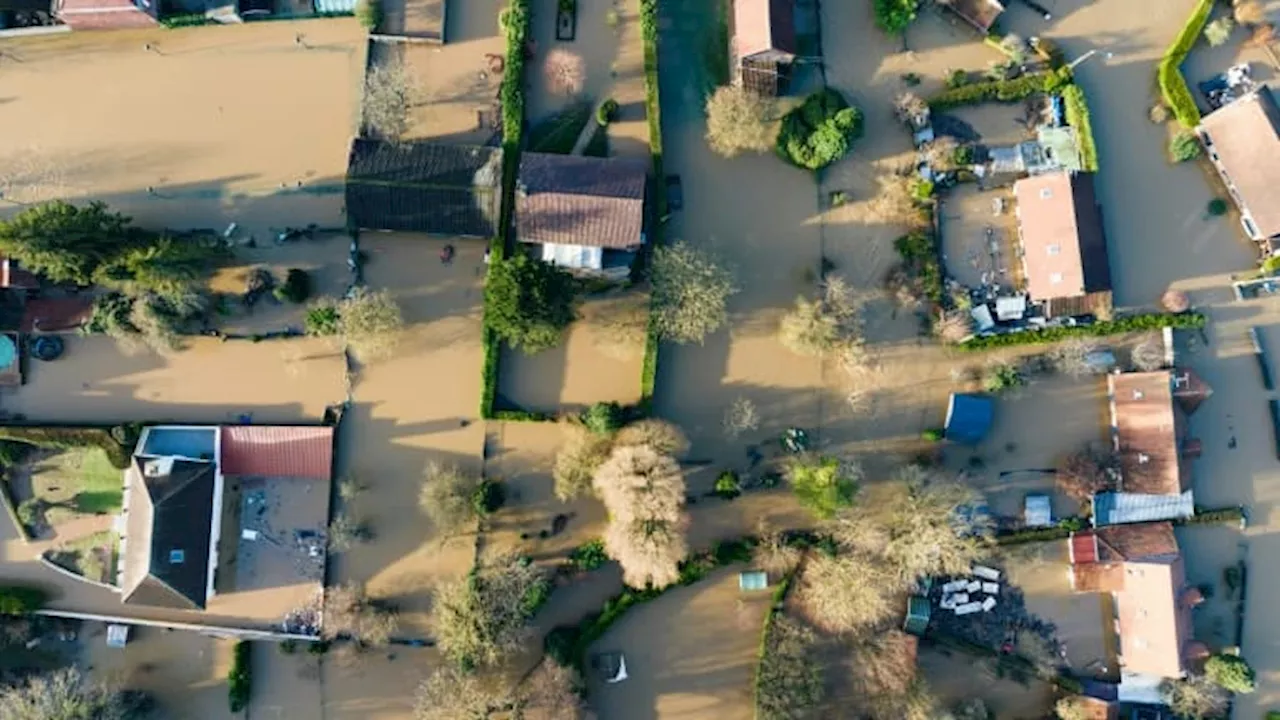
(1054, 249)
(1055, 278)
(176, 557)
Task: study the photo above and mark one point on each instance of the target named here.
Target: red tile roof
(1147, 427)
(102, 14)
(278, 451)
(1064, 249)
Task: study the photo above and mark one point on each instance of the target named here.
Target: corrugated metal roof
(278, 451)
(1116, 508)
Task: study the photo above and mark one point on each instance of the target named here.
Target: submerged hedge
(1131, 323)
(1019, 88)
(1173, 86)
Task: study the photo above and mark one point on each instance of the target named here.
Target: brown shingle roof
(278, 451)
(1099, 556)
(981, 14)
(1246, 137)
(1065, 250)
(576, 200)
(1147, 430)
(763, 25)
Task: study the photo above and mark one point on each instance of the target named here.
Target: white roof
(985, 572)
(1011, 308)
(578, 257)
(1039, 512)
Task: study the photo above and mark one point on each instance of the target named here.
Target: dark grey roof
(577, 200)
(424, 187)
(1093, 239)
(170, 516)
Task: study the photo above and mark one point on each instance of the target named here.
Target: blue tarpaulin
(969, 418)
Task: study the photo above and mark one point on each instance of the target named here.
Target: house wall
(1246, 219)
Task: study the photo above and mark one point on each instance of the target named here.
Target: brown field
(324, 260)
(185, 672)
(201, 134)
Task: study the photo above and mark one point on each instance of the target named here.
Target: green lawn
(77, 481)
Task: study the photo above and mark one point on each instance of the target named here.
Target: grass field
(79, 481)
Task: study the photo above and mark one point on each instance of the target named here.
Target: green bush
(933, 434)
(921, 189)
(589, 556)
(607, 112)
(1014, 90)
(1077, 112)
(535, 597)
(653, 114)
(521, 416)
(19, 600)
(919, 253)
(296, 287)
(1184, 146)
(117, 441)
(1217, 207)
(240, 680)
(1131, 323)
(1231, 672)
(1173, 86)
(728, 485)
(819, 131)
(604, 418)
(895, 16)
(1003, 377)
(956, 78)
(369, 13)
(559, 644)
(529, 303)
(822, 486)
(488, 497)
(515, 28)
(321, 319)
(1227, 515)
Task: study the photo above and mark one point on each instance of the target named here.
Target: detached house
(1149, 432)
(1242, 139)
(586, 213)
(1063, 246)
(763, 43)
(1141, 567)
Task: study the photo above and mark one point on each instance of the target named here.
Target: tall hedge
(1131, 323)
(116, 441)
(1019, 88)
(19, 600)
(240, 679)
(1173, 86)
(653, 113)
(1077, 111)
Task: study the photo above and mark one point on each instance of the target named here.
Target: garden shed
(918, 613)
(969, 418)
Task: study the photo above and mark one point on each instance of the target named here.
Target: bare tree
(620, 325)
(345, 532)
(446, 498)
(643, 490)
(738, 121)
(1195, 697)
(848, 593)
(1263, 34)
(953, 327)
(388, 95)
(1249, 12)
(555, 691)
(789, 679)
(910, 109)
(941, 153)
(884, 678)
(971, 709)
(1086, 472)
(691, 290)
(895, 204)
(65, 694)
(1015, 47)
(369, 322)
(740, 417)
(1149, 354)
(565, 72)
(349, 612)
(481, 619)
(829, 324)
(773, 553)
(659, 435)
(1217, 33)
(577, 460)
(1072, 357)
(449, 693)
(918, 525)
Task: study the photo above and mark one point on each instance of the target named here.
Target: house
(763, 44)
(107, 14)
(1141, 567)
(586, 213)
(1064, 248)
(969, 418)
(1149, 433)
(981, 14)
(172, 518)
(1242, 139)
(424, 187)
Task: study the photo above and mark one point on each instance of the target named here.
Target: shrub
(1217, 207)
(296, 287)
(919, 253)
(1131, 323)
(921, 189)
(1184, 146)
(1077, 112)
(894, 16)
(607, 112)
(1231, 672)
(1002, 90)
(239, 680)
(488, 497)
(322, 319)
(933, 434)
(956, 78)
(603, 418)
(19, 600)
(824, 485)
(1219, 31)
(727, 485)
(819, 131)
(529, 303)
(1003, 377)
(369, 13)
(559, 644)
(589, 555)
(1173, 86)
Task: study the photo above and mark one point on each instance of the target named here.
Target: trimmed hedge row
(775, 606)
(1077, 111)
(116, 441)
(19, 600)
(1173, 86)
(1013, 90)
(653, 113)
(1132, 323)
(240, 679)
(1033, 535)
(1212, 516)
